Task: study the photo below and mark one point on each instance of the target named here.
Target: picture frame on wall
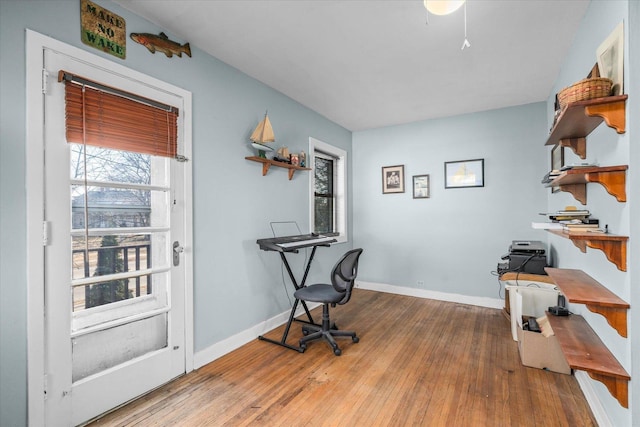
(557, 162)
(464, 173)
(610, 56)
(393, 179)
(421, 186)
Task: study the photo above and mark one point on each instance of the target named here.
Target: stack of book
(581, 228)
(570, 220)
(569, 215)
(550, 176)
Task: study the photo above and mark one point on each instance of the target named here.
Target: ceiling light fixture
(443, 7)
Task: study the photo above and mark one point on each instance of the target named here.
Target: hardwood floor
(419, 362)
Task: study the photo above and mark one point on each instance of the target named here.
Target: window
(120, 144)
(328, 206)
(324, 193)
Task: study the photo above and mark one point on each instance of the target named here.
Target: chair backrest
(344, 274)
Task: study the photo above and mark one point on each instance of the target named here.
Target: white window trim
(340, 178)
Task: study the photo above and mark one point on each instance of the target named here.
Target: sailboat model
(261, 135)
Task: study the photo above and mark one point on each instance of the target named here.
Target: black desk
(292, 244)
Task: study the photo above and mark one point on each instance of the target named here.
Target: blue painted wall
(236, 286)
(607, 148)
(633, 105)
(450, 241)
(453, 240)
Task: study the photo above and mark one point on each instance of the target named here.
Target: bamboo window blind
(107, 117)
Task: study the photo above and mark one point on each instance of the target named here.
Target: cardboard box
(538, 351)
(532, 300)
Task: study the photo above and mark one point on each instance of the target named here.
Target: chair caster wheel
(303, 346)
(337, 351)
(355, 339)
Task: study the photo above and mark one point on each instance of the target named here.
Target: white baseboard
(439, 296)
(225, 346)
(586, 385)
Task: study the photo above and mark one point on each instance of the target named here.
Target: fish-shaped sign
(161, 43)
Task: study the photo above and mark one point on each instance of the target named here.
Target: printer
(525, 256)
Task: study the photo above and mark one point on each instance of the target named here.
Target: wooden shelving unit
(580, 118)
(574, 181)
(584, 351)
(581, 346)
(267, 163)
(580, 288)
(613, 246)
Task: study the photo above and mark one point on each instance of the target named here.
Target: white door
(114, 297)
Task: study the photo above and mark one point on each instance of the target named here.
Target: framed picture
(610, 56)
(464, 173)
(421, 186)
(557, 161)
(393, 179)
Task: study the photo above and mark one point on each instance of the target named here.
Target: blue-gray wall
(450, 241)
(235, 285)
(607, 148)
(633, 105)
(453, 240)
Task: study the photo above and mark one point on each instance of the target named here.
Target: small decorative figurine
(303, 159)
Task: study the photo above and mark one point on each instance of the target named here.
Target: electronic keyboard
(293, 243)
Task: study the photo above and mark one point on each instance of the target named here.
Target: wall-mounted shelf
(581, 288)
(267, 163)
(580, 118)
(584, 351)
(614, 247)
(574, 181)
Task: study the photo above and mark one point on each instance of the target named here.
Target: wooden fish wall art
(161, 43)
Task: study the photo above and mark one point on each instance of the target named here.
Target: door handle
(177, 250)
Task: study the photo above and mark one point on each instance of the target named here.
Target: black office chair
(343, 277)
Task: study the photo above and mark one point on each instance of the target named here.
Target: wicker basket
(597, 87)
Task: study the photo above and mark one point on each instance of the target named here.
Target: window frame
(317, 147)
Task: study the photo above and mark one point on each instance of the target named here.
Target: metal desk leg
(283, 341)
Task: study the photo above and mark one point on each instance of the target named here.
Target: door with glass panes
(114, 281)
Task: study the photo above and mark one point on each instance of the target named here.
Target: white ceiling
(368, 64)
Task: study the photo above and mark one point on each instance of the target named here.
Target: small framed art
(464, 173)
(393, 179)
(421, 186)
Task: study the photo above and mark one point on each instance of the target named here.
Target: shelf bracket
(614, 250)
(616, 317)
(578, 145)
(580, 244)
(579, 191)
(265, 168)
(612, 113)
(613, 182)
(617, 387)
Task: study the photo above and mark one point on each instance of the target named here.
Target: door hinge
(181, 158)
(45, 233)
(45, 385)
(45, 81)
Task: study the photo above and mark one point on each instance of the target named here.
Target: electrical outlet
(420, 283)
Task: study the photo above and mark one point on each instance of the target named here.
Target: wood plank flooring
(419, 362)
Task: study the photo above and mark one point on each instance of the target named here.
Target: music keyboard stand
(270, 245)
